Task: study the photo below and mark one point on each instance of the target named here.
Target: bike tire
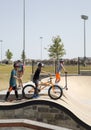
(57, 94)
(28, 91)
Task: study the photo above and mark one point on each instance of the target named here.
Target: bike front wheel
(55, 92)
(28, 91)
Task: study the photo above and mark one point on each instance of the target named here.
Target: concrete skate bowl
(76, 101)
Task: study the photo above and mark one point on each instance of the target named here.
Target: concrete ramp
(78, 97)
(76, 100)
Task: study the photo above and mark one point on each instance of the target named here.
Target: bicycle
(54, 92)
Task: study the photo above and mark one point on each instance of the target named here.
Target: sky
(46, 19)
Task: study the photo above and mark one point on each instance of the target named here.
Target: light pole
(41, 38)
(23, 31)
(1, 49)
(84, 17)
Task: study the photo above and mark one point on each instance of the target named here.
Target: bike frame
(43, 85)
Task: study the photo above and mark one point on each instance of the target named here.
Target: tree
(9, 54)
(56, 50)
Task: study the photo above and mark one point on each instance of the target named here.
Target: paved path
(76, 99)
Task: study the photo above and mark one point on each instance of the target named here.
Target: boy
(12, 82)
(59, 69)
(36, 77)
(20, 72)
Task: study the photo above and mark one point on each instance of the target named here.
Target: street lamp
(23, 31)
(1, 49)
(41, 46)
(84, 17)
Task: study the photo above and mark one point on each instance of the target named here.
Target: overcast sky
(47, 19)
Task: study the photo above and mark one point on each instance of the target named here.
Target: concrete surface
(77, 98)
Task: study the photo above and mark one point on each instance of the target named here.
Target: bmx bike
(54, 91)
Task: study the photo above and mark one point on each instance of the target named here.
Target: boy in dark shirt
(36, 77)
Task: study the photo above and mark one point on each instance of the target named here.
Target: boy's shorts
(12, 88)
(58, 77)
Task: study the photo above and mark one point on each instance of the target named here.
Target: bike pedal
(38, 90)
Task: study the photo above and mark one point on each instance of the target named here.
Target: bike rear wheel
(28, 91)
(55, 92)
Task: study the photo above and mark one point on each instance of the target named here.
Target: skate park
(76, 101)
(46, 31)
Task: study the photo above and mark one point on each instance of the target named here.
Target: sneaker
(35, 96)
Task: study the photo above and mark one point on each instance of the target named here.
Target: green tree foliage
(56, 50)
(9, 55)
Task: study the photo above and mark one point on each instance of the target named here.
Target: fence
(84, 65)
(51, 65)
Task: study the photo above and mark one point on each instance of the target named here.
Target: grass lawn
(5, 71)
